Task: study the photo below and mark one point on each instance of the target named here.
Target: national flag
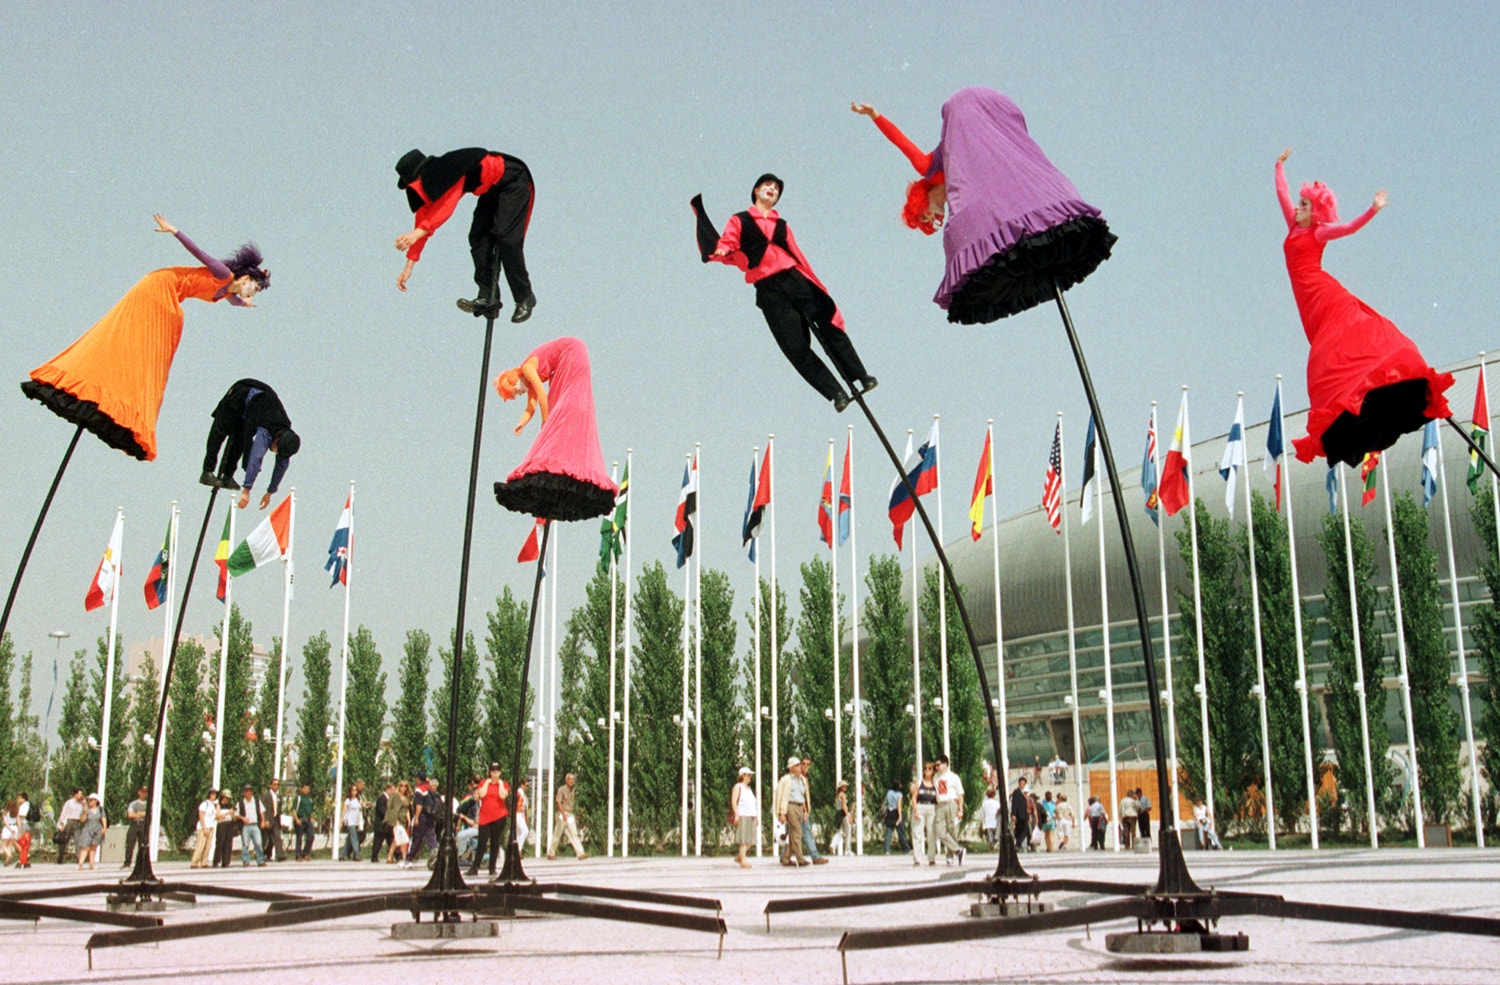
(221, 557)
(846, 492)
(825, 502)
(687, 505)
(1052, 486)
(1174, 487)
(1480, 433)
(1429, 462)
(107, 577)
(923, 478)
(1275, 445)
(984, 487)
(1331, 483)
(266, 543)
(1085, 493)
(1367, 476)
(531, 550)
(1148, 472)
(760, 498)
(156, 578)
(612, 527)
(900, 508)
(340, 549)
(1232, 462)
(752, 515)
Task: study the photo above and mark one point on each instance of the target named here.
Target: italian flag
(266, 542)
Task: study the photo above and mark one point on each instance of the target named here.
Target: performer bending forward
(248, 422)
(433, 186)
(1367, 383)
(788, 293)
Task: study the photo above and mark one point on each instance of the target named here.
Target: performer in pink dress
(1368, 384)
(563, 476)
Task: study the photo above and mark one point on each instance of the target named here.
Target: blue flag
(1275, 445)
(1085, 504)
(1429, 462)
(1331, 483)
(1148, 472)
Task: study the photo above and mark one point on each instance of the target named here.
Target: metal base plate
(1009, 909)
(445, 931)
(1161, 942)
(129, 904)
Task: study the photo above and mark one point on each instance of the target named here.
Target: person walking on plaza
(1098, 823)
(523, 812)
(893, 819)
(1143, 815)
(990, 816)
(950, 808)
(1130, 813)
(1066, 822)
(1048, 808)
(1203, 818)
(423, 816)
(302, 822)
(203, 836)
(270, 802)
(69, 823)
(380, 831)
(842, 823)
(565, 821)
(1020, 815)
(10, 831)
(744, 813)
(27, 816)
(492, 795)
(809, 843)
(397, 817)
(924, 816)
(251, 819)
(354, 824)
(466, 824)
(91, 834)
(135, 820)
(791, 810)
(225, 828)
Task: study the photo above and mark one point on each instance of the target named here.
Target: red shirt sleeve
(1284, 197)
(922, 162)
(432, 216)
(729, 241)
(1325, 231)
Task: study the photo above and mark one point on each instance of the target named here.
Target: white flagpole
(760, 784)
(775, 632)
(159, 755)
(1405, 679)
(1108, 694)
(553, 671)
(698, 659)
(288, 574)
(542, 816)
(1169, 696)
(855, 718)
(1494, 485)
(916, 641)
(687, 621)
(109, 660)
(1001, 767)
(614, 475)
(1260, 652)
(1359, 669)
(833, 602)
(223, 663)
(338, 783)
(1302, 684)
(1083, 783)
(1463, 661)
(625, 725)
(937, 468)
(1202, 686)
(1464, 683)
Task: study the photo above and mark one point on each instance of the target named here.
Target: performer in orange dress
(111, 380)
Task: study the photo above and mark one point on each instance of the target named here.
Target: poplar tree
(141, 731)
(314, 750)
(726, 734)
(583, 702)
(783, 696)
(887, 687)
(236, 752)
(188, 765)
(657, 682)
(811, 671)
(263, 765)
(364, 721)
(466, 751)
(409, 720)
(505, 645)
(968, 724)
(120, 792)
(73, 763)
(1485, 697)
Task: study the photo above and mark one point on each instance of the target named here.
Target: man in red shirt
(497, 236)
(788, 293)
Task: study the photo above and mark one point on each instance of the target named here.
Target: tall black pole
(1475, 448)
(1173, 876)
(143, 873)
(512, 872)
(15, 585)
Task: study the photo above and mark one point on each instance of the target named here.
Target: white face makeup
(767, 195)
(245, 287)
(1303, 215)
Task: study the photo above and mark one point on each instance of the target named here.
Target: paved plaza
(799, 947)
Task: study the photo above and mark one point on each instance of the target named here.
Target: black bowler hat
(768, 176)
(409, 167)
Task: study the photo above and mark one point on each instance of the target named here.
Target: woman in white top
(354, 824)
(208, 822)
(9, 831)
(744, 813)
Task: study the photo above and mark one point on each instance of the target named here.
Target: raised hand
(1381, 200)
(864, 109)
(163, 226)
(1284, 155)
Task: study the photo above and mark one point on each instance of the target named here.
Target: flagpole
(1062, 465)
(338, 783)
(286, 618)
(1359, 669)
(1463, 660)
(1302, 684)
(159, 753)
(760, 784)
(833, 602)
(109, 661)
(1259, 691)
(223, 660)
(698, 660)
(1405, 679)
(1464, 689)
(550, 607)
(855, 717)
(542, 715)
(1000, 768)
(1169, 697)
(775, 629)
(1202, 685)
(625, 753)
(1108, 694)
(937, 467)
(916, 650)
(687, 620)
(614, 475)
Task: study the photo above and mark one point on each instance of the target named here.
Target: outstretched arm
(214, 266)
(1333, 230)
(536, 394)
(1284, 193)
(922, 162)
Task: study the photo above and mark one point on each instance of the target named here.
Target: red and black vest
(754, 243)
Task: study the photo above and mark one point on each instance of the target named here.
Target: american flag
(1052, 489)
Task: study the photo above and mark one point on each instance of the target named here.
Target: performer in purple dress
(1014, 224)
(563, 476)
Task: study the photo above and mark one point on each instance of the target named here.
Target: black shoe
(227, 482)
(868, 383)
(840, 402)
(208, 479)
(523, 309)
(479, 307)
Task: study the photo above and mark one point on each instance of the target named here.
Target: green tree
(9, 724)
(364, 722)
(1485, 638)
(466, 750)
(505, 645)
(314, 753)
(1343, 695)
(409, 721)
(263, 765)
(583, 693)
(236, 753)
(968, 725)
(28, 764)
(1434, 724)
(120, 792)
(811, 671)
(886, 667)
(144, 698)
(726, 734)
(772, 768)
(1229, 665)
(657, 682)
(188, 763)
(74, 765)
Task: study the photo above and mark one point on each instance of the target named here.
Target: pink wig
(1325, 208)
(915, 210)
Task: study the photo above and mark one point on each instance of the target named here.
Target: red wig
(1325, 208)
(915, 212)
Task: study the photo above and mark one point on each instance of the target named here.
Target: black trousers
(489, 840)
(380, 838)
(795, 311)
(274, 847)
(498, 232)
(304, 830)
(224, 844)
(135, 835)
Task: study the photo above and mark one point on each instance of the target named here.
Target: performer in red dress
(1367, 383)
(563, 476)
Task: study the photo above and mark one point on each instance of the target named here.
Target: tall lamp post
(59, 635)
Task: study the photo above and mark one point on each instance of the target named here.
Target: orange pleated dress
(113, 378)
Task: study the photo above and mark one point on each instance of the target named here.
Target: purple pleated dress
(1015, 223)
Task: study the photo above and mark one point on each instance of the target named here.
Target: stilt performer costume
(1015, 226)
(1368, 383)
(563, 476)
(248, 422)
(497, 236)
(111, 381)
(795, 303)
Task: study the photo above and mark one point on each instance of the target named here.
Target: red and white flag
(107, 578)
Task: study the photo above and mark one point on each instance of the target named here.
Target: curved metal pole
(512, 872)
(15, 585)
